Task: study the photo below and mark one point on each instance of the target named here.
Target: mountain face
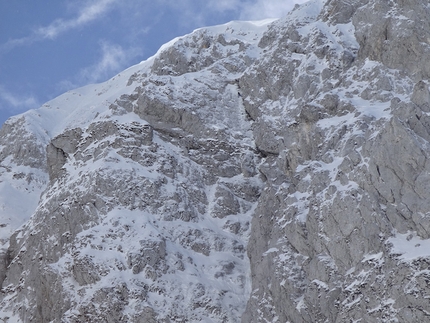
(273, 171)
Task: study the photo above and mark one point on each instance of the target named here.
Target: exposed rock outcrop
(254, 172)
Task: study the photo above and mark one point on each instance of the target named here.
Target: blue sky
(49, 47)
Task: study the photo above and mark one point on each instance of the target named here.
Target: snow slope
(270, 171)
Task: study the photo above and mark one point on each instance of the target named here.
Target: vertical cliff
(340, 232)
(271, 171)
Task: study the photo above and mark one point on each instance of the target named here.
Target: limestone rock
(254, 172)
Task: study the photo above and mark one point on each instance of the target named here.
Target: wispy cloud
(17, 102)
(113, 59)
(262, 9)
(92, 11)
(224, 5)
(193, 11)
(201, 12)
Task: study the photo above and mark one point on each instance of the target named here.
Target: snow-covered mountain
(272, 171)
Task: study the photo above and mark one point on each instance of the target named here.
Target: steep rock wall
(350, 137)
(253, 172)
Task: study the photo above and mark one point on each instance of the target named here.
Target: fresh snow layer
(409, 246)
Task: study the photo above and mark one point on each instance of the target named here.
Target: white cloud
(17, 102)
(197, 12)
(262, 9)
(92, 11)
(224, 5)
(190, 11)
(113, 59)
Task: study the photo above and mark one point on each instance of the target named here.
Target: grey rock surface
(356, 168)
(248, 172)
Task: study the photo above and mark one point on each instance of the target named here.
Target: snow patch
(409, 246)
